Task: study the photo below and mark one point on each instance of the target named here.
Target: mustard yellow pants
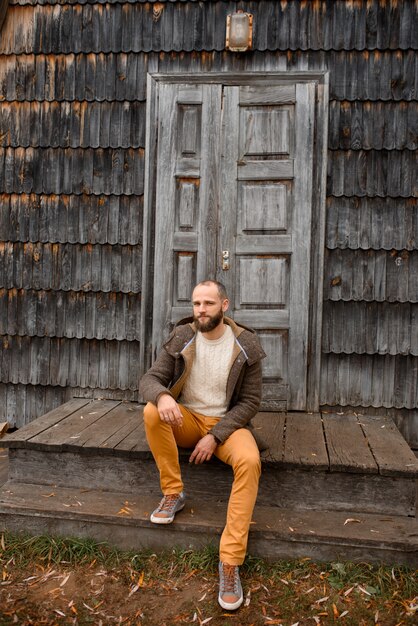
(239, 450)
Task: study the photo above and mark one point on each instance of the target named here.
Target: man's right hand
(169, 410)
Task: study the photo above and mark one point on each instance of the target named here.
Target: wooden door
(234, 202)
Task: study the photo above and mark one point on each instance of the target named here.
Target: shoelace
(168, 502)
(230, 578)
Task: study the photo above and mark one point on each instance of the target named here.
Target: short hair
(220, 287)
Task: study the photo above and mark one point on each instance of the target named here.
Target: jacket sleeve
(158, 378)
(246, 406)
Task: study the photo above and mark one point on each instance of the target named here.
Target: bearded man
(202, 392)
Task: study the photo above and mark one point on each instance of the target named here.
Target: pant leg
(241, 452)
(163, 440)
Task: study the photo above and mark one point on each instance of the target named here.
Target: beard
(211, 324)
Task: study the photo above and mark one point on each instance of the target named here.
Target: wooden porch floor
(322, 441)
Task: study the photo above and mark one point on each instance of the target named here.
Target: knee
(151, 415)
(249, 463)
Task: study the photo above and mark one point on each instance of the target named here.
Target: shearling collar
(185, 332)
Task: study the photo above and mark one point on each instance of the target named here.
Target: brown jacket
(243, 391)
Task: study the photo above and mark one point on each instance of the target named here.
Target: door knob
(225, 259)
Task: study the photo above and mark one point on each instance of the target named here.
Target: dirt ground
(91, 594)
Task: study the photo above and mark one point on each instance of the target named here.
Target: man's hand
(169, 410)
(204, 449)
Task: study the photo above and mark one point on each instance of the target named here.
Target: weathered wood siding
(72, 135)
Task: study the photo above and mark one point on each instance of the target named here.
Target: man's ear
(225, 305)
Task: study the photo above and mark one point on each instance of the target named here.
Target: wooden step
(4, 466)
(319, 462)
(275, 533)
(293, 488)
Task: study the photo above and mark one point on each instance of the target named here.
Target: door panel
(187, 189)
(235, 176)
(265, 226)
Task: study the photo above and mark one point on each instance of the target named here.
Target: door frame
(320, 79)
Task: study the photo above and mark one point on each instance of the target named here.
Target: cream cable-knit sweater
(205, 388)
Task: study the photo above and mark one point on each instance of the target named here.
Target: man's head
(210, 301)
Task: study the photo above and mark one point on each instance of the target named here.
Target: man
(202, 392)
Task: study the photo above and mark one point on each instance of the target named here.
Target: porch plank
(136, 440)
(270, 426)
(393, 455)
(21, 438)
(70, 430)
(122, 433)
(347, 446)
(106, 426)
(304, 441)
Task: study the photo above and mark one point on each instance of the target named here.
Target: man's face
(208, 308)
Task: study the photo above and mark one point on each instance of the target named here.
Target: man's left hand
(204, 449)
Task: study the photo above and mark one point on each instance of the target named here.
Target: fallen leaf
(321, 600)
(248, 598)
(49, 495)
(335, 611)
(133, 590)
(351, 520)
(190, 574)
(124, 511)
(65, 580)
(206, 621)
(343, 614)
(59, 612)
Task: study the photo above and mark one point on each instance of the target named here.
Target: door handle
(225, 259)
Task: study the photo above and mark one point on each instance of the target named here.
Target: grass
(281, 591)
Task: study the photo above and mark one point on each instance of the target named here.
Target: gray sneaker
(230, 590)
(168, 507)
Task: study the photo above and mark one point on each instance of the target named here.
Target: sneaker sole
(230, 606)
(165, 520)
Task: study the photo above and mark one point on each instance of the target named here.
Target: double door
(233, 201)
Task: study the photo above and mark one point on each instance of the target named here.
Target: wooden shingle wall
(72, 135)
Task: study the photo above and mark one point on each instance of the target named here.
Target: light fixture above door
(239, 31)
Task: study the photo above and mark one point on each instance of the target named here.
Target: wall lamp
(239, 31)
